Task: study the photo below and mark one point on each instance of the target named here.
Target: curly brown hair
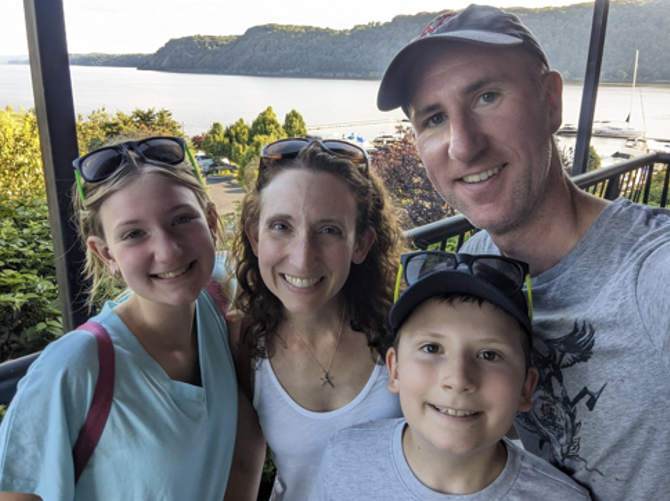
(368, 291)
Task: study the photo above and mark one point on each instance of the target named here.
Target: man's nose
(466, 141)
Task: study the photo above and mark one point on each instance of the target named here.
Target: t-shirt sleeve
(45, 416)
(653, 298)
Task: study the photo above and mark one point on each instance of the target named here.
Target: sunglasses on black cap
(505, 274)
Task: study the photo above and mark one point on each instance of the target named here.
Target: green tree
(216, 144)
(99, 126)
(266, 124)
(294, 124)
(238, 132)
(20, 156)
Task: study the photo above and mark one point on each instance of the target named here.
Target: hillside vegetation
(365, 50)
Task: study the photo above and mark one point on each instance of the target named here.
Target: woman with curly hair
(317, 250)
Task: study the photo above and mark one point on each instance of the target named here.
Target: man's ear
(527, 389)
(212, 216)
(99, 247)
(392, 366)
(363, 244)
(553, 93)
(251, 231)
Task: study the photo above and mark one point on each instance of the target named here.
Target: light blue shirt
(164, 439)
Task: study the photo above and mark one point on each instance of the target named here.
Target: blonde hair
(87, 213)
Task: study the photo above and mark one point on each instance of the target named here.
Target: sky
(144, 26)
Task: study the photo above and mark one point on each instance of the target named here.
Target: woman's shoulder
(72, 357)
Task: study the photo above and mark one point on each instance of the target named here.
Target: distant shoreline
(660, 83)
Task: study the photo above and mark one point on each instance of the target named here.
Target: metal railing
(632, 179)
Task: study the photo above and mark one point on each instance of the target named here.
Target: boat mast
(632, 91)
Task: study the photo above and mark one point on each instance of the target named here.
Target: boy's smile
(459, 369)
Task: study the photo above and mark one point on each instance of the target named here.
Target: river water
(331, 108)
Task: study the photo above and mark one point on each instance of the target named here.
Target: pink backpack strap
(216, 291)
(90, 432)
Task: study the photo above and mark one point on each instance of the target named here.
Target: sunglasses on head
(505, 274)
(102, 163)
(286, 149)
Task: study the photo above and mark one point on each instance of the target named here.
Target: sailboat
(621, 129)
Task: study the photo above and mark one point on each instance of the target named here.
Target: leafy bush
(656, 189)
(20, 156)
(30, 313)
(402, 171)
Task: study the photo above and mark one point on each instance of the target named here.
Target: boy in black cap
(459, 363)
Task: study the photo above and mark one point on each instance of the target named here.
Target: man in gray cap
(484, 105)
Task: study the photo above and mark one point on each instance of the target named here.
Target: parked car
(208, 165)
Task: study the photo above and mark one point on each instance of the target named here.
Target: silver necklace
(325, 379)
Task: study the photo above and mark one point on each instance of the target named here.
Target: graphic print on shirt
(553, 417)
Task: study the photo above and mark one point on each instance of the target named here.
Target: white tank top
(297, 437)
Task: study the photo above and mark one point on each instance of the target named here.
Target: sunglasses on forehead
(505, 274)
(102, 163)
(286, 149)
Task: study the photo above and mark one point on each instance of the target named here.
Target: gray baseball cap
(478, 24)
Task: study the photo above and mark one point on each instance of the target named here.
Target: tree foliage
(402, 171)
(568, 158)
(242, 144)
(100, 126)
(30, 316)
(364, 51)
(266, 124)
(294, 124)
(20, 156)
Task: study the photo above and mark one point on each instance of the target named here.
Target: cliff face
(364, 51)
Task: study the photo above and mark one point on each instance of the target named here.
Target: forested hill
(365, 50)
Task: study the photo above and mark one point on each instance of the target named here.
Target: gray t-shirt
(367, 462)
(602, 346)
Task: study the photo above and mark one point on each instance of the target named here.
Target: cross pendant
(326, 380)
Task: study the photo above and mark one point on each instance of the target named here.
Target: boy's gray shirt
(367, 462)
(602, 346)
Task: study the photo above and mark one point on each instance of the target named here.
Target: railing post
(613, 189)
(664, 193)
(49, 67)
(647, 183)
(590, 89)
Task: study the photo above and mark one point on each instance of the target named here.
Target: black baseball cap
(453, 281)
(477, 24)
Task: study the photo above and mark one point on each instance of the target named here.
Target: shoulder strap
(90, 432)
(216, 291)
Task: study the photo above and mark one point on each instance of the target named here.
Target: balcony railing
(632, 179)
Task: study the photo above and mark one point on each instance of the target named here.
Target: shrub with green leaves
(30, 313)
